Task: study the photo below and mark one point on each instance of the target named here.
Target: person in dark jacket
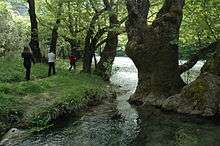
(28, 59)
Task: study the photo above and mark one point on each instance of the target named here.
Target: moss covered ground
(34, 104)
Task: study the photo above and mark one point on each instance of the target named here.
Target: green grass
(12, 70)
(38, 102)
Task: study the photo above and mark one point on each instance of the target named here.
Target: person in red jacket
(72, 59)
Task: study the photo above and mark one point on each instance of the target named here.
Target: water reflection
(160, 128)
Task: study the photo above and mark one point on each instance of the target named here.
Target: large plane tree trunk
(34, 43)
(154, 49)
(108, 54)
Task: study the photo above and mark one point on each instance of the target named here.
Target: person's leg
(70, 67)
(53, 65)
(28, 72)
(74, 64)
(49, 70)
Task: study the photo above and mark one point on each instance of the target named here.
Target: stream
(147, 126)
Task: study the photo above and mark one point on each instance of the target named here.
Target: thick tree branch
(171, 11)
(101, 43)
(197, 55)
(138, 10)
(89, 45)
(90, 32)
(97, 36)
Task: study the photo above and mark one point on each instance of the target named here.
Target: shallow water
(139, 126)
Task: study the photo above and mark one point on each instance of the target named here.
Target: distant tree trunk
(71, 41)
(73, 29)
(104, 66)
(55, 36)
(34, 43)
(154, 49)
(90, 43)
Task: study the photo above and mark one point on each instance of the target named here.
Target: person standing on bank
(72, 59)
(28, 58)
(51, 62)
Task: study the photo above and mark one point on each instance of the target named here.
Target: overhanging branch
(197, 55)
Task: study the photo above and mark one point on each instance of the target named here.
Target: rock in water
(12, 136)
(201, 97)
(117, 116)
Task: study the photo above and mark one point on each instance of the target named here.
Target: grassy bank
(36, 103)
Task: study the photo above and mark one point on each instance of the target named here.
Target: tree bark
(54, 38)
(153, 48)
(34, 43)
(89, 43)
(55, 35)
(104, 66)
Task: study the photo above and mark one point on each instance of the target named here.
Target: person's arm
(48, 57)
(75, 58)
(55, 57)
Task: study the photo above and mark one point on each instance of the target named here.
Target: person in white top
(51, 62)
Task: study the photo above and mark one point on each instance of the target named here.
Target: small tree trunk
(104, 67)
(90, 43)
(34, 43)
(55, 36)
(87, 61)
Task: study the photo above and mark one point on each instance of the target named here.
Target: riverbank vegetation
(36, 103)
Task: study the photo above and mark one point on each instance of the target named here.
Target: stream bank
(35, 105)
(139, 126)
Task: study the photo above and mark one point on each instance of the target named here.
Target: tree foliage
(12, 28)
(200, 25)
